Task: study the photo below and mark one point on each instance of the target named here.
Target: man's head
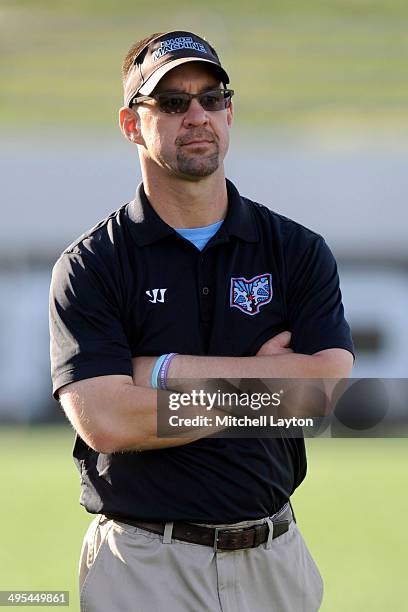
(177, 108)
(150, 59)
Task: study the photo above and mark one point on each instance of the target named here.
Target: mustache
(195, 134)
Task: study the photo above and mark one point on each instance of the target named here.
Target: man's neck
(185, 203)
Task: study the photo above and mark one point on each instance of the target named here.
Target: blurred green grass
(351, 509)
(42, 523)
(295, 64)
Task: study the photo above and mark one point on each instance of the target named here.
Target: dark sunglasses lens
(215, 100)
(173, 102)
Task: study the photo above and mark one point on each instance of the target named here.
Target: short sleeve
(86, 332)
(314, 302)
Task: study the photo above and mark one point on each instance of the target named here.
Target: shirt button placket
(204, 288)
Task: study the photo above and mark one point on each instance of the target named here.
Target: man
(189, 280)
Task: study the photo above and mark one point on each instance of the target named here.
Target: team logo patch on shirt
(250, 295)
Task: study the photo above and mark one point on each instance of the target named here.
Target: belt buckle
(217, 531)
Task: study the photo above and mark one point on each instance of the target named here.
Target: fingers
(283, 339)
(277, 345)
(284, 350)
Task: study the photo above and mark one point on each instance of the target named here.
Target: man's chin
(198, 168)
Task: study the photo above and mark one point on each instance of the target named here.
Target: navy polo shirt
(133, 286)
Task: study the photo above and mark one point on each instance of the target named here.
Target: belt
(217, 537)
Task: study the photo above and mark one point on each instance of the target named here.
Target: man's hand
(278, 345)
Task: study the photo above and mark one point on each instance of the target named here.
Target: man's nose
(195, 115)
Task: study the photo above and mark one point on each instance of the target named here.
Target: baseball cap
(164, 53)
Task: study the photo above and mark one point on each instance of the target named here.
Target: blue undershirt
(199, 236)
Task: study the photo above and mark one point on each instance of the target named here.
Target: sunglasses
(179, 102)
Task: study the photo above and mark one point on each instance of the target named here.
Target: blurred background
(320, 135)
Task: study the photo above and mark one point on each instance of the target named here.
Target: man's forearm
(112, 415)
(301, 398)
(292, 365)
(326, 367)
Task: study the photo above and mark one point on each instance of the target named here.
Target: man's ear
(129, 123)
(230, 114)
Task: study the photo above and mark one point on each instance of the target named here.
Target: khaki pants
(127, 569)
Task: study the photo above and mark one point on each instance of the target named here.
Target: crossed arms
(119, 413)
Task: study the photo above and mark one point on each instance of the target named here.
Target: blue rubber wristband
(164, 368)
(155, 371)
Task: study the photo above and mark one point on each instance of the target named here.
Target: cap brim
(153, 80)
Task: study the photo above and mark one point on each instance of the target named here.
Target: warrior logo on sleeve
(250, 295)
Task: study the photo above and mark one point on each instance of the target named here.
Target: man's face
(191, 144)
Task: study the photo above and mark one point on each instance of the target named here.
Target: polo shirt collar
(240, 220)
(147, 227)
